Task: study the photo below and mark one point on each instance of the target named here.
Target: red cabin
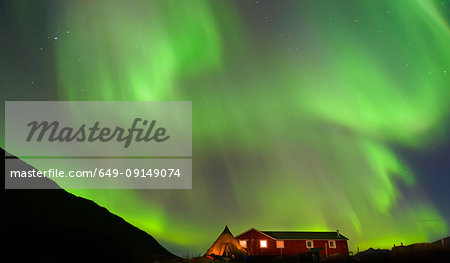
(292, 242)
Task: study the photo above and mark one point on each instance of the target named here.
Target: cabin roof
(303, 235)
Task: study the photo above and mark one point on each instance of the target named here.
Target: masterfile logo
(53, 132)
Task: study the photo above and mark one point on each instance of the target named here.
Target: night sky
(307, 115)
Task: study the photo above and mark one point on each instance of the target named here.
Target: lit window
(331, 244)
(263, 243)
(309, 244)
(243, 243)
(280, 244)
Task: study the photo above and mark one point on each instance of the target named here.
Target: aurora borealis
(307, 115)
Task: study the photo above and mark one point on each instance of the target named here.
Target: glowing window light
(263, 243)
(280, 243)
(243, 243)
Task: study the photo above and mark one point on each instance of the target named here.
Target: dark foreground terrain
(415, 253)
(423, 252)
(56, 226)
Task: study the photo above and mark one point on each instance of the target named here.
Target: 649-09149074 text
(99, 173)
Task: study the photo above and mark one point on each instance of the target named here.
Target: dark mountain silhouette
(56, 226)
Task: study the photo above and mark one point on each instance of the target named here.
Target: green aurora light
(296, 116)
